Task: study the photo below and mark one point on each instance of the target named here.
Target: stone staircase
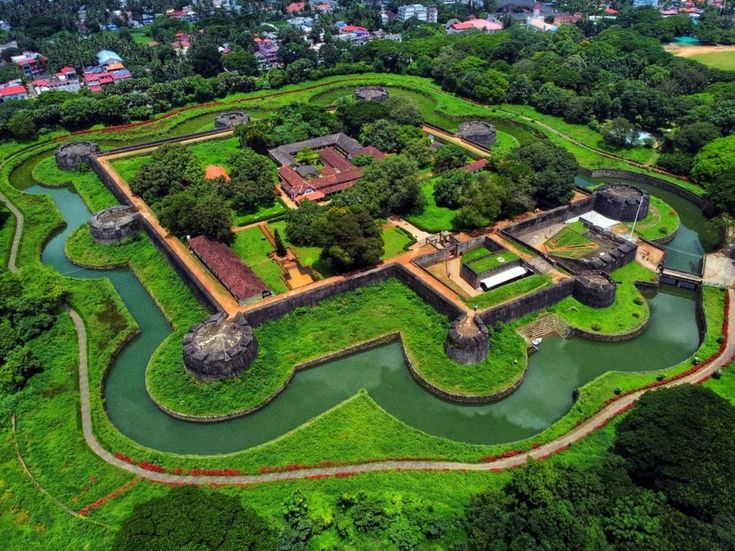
(545, 325)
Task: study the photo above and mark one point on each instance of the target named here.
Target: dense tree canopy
(172, 168)
(190, 518)
(197, 210)
(351, 238)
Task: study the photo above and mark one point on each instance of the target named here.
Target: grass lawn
(662, 221)
(209, 152)
(571, 242)
(263, 213)
(491, 261)
(474, 254)
(717, 60)
(396, 240)
(308, 256)
(628, 312)
(433, 218)
(253, 248)
(339, 322)
(509, 291)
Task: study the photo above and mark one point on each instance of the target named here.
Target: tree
(389, 136)
(553, 170)
(620, 132)
(190, 518)
(253, 178)
(205, 57)
(241, 61)
(692, 137)
(355, 114)
(481, 202)
(447, 191)
(449, 157)
(22, 126)
(393, 182)
(303, 225)
(681, 441)
(197, 210)
(10, 71)
(254, 135)
(722, 192)
(714, 159)
(20, 365)
(402, 110)
(172, 168)
(280, 247)
(351, 238)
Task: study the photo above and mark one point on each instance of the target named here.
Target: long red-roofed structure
(227, 267)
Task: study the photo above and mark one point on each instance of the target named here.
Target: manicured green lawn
(395, 240)
(623, 316)
(263, 213)
(662, 221)
(337, 323)
(433, 218)
(491, 261)
(717, 60)
(509, 291)
(474, 254)
(308, 256)
(571, 242)
(253, 248)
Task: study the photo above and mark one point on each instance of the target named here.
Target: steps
(545, 325)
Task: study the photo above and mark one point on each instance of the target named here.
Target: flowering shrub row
(112, 495)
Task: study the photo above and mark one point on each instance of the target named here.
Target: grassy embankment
(338, 323)
(661, 221)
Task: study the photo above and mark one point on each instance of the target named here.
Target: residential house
(482, 25)
(66, 80)
(13, 89)
(295, 7)
(427, 14)
(32, 63)
(267, 54)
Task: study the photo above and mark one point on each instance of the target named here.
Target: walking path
(559, 444)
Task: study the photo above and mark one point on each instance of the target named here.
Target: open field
(509, 291)
(571, 242)
(433, 218)
(661, 222)
(253, 248)
(490, 261)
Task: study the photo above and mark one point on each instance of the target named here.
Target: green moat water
(545, 396)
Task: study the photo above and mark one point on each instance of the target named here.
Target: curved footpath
(579, 432)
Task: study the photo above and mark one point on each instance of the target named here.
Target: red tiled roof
(330, 157)
(374, 152)
(295, 7)
(12, 90)
(313, 196)
(474, 166)
(238, 278)
(293, 183)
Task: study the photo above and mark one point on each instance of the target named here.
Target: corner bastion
(467, 340)
(478, 132)
(231, 119)
(114, 224)
(622, 202)
(596, 289)
(220, 347)
(371, 93)
(73, 155)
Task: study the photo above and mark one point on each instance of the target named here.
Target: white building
(419, 11)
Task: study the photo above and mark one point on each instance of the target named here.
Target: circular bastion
(622, 202)
(467, 340)
(220, 347)
(73, 155)
(371, 93)
(231, 119)
(478, 132)
(114, 224)
(596, 289)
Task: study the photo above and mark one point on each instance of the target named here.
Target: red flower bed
(123, 457)
(214, 472)
(112, 495)
(151, 467)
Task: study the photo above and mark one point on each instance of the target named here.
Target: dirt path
(447, 137)
(692, 50)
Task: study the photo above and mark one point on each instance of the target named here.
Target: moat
(559, 367)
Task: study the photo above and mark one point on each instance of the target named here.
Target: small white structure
(503, 277)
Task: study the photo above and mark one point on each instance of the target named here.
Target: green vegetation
(628, 312)
(662, 221)
(7, 232)
(571, 242)
(86, 183)
(717, 60)
(509, 291)
(432, 218)
(310, 333)
(253, 248)
(396, 240)
(490, 261)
